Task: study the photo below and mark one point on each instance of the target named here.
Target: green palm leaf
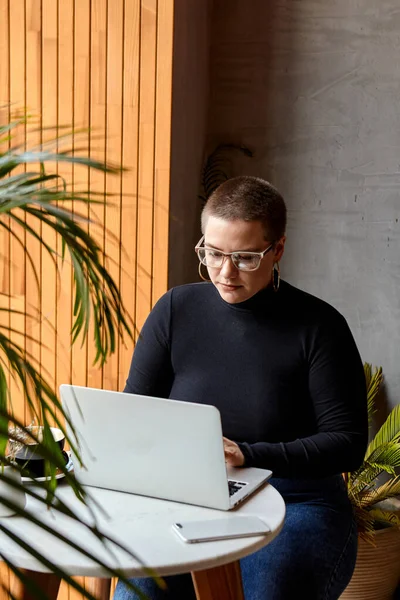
(5, 130)
(387, 490)
(59, 506)
(389, 432)
(373, 380)
(382, 457)
(385, 457)
(365, 525)
(368, 521)
(384, 517)
(9, 161)
(365, 481)
(96, 291)
(46, 198)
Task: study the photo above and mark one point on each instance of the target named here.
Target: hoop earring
(201, 274)
(276, 277)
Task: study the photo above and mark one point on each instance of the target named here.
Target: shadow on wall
(252, 51)
(188, 131)
(312, 89)
(218, 167)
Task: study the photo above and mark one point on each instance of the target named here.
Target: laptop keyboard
(235, 486)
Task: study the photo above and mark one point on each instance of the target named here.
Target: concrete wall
(313, 88)
(189, 118)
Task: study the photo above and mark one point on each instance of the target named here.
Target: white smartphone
(220, 529)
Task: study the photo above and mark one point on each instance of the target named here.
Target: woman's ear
(279, 249)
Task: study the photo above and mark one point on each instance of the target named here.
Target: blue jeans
(313, 557)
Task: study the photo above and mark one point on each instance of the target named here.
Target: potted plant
(371, 489)
(35, 194)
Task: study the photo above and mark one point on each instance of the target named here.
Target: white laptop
(155, 447)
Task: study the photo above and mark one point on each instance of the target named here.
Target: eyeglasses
(244, 261)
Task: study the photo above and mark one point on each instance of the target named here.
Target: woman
(284, 371)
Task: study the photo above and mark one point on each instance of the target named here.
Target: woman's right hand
(233, 455)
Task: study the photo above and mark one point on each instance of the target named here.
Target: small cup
(29, 456)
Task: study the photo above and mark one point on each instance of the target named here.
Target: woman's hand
(233, 454)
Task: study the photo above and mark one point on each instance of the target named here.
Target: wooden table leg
(47, 582)
(220, 583)
(50, 583)
(99, 587)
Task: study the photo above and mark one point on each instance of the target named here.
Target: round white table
(144, 526)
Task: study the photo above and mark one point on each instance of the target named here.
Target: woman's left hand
(233, 454)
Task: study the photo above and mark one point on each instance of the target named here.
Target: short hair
(248, 198)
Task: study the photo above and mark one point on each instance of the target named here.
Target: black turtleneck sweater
(282, 368)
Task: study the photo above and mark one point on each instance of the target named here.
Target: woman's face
(231, 236)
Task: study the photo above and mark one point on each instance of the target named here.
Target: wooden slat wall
(104, 65)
